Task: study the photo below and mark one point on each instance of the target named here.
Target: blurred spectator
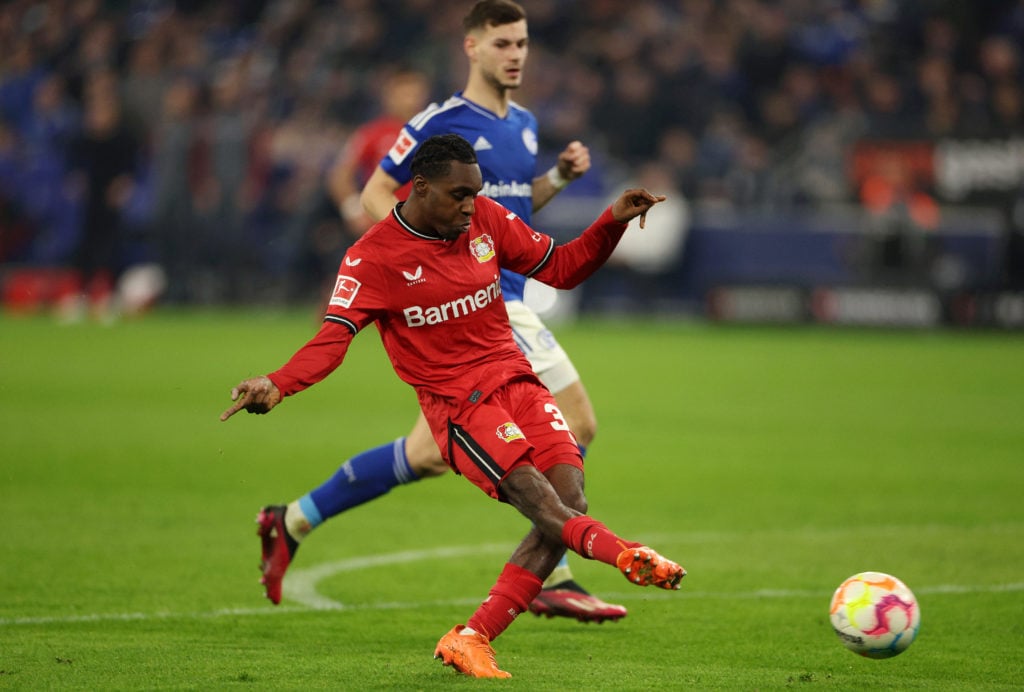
(22, 72)
(1013, 255)
(181, 242)
(638, 277)
(902, 218)
(51, 129)
(228, 180)
(15, 228)
(104, 160)
(631, 99)
(287, 227)
(677, 149)
(886, 107)
(143, 85)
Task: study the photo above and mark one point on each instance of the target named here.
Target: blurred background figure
(638, 275)
(103, 160)
(229, 183)
(403, 94)
(902, 219)
(175, 225)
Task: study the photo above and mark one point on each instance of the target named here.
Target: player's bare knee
(575, 406)
(424, 459)
(421, 451)
(585, 430)
(428, 468)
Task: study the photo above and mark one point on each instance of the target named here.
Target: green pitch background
(772, 463)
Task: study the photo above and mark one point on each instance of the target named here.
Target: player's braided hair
(493, 13)
(433, 159)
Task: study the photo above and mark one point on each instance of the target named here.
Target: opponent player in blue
(504, 136)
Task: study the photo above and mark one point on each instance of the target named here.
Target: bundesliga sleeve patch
(345, 291)
(402, 147)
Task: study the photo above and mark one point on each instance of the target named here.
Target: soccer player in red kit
(504, 135)
(428, 277)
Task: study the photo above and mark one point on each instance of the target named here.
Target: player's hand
(574, 160)
(255, 395)
(633, 203)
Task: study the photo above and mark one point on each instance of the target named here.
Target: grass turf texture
(772, 463)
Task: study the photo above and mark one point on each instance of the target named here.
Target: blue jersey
(506, 149)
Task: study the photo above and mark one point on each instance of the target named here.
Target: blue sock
(360, 479)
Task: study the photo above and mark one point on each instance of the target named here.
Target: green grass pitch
(771, 462)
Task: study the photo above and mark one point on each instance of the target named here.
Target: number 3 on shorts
(559, 422)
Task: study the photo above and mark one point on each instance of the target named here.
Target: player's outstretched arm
(571, 263)
(255, 395)
(573, 162)
(633, 203)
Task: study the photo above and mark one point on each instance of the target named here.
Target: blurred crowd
(197, 134)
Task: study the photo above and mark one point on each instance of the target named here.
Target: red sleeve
(314, 361)
(571, 263)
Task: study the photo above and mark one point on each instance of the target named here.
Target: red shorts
(517, 424)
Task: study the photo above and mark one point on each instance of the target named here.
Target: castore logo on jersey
(415, 277)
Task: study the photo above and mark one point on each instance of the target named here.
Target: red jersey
(437, 303)
(371, 142)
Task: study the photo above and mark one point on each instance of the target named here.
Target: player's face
(499, 53)
(451, 200)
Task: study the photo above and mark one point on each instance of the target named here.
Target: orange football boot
(470, 654)
(645, 567)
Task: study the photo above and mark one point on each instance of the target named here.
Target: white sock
(296, 523)
(558, 575)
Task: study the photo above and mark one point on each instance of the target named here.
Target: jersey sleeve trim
(544, 260)
(343, 322)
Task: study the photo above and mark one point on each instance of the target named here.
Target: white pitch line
(301, 583)
(301, 587)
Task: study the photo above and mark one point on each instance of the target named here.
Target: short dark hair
(493, 13)
(433, 159)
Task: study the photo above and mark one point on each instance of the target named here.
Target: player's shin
(509, 597)
(593, 540)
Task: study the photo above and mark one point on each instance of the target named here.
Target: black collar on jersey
(397, 213)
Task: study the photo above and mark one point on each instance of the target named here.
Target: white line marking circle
(301, 586)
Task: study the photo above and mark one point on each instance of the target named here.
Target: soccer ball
(875, 615)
